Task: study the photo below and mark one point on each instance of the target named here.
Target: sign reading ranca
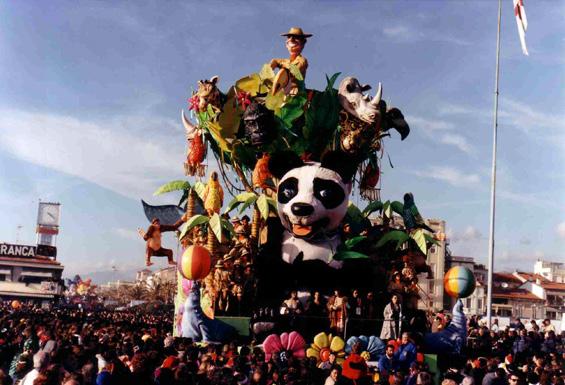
(7, 250)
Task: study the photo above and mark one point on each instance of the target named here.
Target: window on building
(505, 313)
(551, 315)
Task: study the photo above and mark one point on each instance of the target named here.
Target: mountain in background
(103, 277)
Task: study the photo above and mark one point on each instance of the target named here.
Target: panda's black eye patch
(328, 192)
(287, 190)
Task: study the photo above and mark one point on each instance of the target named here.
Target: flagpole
(493, 175)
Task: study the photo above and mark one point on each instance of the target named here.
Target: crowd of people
(77, 347)
(65, 346)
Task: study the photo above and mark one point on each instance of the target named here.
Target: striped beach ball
(459, 282)
(195, 262)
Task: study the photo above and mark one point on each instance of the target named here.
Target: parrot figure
(411, 216)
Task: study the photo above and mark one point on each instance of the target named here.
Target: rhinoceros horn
(190, 128)
(377, 98)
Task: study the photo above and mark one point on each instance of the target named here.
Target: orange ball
(16, 304)
(325, 354)
(195, 262)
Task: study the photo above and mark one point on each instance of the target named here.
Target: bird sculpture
(411, 215)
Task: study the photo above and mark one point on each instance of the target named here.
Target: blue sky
(91, 93)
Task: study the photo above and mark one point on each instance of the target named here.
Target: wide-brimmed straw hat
(296, 31)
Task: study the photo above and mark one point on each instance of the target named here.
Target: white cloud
(470, 233)
(458, 141)
(525, 118)
(451, 175)
(409, 33)
(127, 155)
(561, 230)
(402, 32)
(429, 126)
(442, 132)
(454, 109)
(127, 234)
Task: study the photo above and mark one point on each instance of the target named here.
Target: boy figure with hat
(295, 42)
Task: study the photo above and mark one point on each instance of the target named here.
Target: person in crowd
(223, 302)
(316, 306)
(517, 324)
(40, 361)
(396, 286)
(356, 305)
(521, 346)
(333, 377)
(547, 326)
(406, 353)
(425, 378)
(494, 327)
(292, 305)
(337, 311)
(386, 362)
(391, 324)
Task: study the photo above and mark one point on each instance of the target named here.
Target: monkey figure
(153, 238)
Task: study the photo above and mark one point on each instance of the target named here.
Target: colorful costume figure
(213, 195)
(295, 42)
(153, 238)
(197, 325)
(337, 308)
(452, 339)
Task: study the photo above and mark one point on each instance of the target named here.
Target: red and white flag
(522, 23)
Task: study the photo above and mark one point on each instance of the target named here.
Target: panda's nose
(302, 209)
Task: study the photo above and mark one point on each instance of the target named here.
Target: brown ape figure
(153, 238)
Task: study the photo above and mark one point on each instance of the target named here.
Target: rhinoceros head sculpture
(373, 111)
(355, 102)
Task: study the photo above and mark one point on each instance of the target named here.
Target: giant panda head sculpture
(312, 197)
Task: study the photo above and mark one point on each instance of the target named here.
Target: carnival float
(291, 157)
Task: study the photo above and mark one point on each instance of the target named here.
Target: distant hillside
(102, 277)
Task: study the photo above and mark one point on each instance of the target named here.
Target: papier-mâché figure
(295, 42)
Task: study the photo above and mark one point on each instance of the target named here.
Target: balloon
(195, 262)
(16, 304)
(459, 282)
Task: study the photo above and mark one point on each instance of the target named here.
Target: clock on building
(48, 214)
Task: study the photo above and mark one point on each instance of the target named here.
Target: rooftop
(30, 260)
(506, 277)
(514, 294)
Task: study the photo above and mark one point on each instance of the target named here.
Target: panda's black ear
(282, 162)
(342, 163)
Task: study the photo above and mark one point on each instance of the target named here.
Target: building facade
(475, 303)
(27, 277)
(552, 271)
(432, 293)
